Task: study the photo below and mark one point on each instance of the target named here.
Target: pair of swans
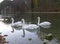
(23, 25)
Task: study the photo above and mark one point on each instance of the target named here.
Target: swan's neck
(38, 20)
(23, 21)
(12, 21)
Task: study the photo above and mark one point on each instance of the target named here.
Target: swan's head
(22, 20)
(38, 18)
(12, 19)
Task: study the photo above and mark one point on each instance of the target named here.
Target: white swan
(29, 26)
(16, 24)
(44, 24)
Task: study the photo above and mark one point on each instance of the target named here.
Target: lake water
(16, 37)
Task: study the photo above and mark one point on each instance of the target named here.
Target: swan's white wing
(25, 26)
(17, 25)
(45, 24)
(32, 26)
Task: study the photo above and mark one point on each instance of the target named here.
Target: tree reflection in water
(47, 38)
